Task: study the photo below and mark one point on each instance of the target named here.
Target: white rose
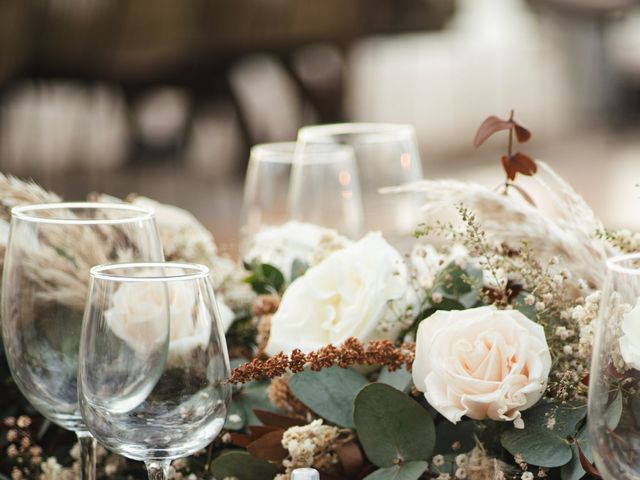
(630, 340)
(138, 316)
(280, 246)
(349, 294)
(481, 362)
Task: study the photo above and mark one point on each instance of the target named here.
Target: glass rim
(101, 272)
(286, 153)
(24, 212)
(354, 128)
(615, 263)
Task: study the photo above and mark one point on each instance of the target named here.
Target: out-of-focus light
(344, 178)
(405, 161)
(347, 194)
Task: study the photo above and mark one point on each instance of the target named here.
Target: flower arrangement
(468, 358)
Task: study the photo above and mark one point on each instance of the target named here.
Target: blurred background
(165, 98)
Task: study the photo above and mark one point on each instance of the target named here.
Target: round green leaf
(329, 392)
(545, 439)
(241, 465)
(406, 471)
(392, 428)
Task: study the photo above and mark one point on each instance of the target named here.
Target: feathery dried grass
(570, 235)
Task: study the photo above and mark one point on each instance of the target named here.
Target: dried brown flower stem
(351, 352)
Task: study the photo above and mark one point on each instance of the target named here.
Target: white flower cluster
(305, 444)
(585, 316)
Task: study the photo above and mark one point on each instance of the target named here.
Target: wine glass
(153, 362)
(614, 380)
(386, 155)
(50, 250)
(326, 192)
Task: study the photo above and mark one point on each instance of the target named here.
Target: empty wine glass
(386, 156)
(614, 380)
(153, 362)
(50, 250)
(326, 191)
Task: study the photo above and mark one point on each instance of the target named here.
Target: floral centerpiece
(467, 358)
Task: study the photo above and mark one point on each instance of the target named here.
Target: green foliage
(241, 465)
(546, 440)
(399, 379)
(573, 470)
(252, 396)
(406, 471)
(298, 268)
(393, 429)
(529, 311)
(448, 433)
(265, 279)
(329, 393)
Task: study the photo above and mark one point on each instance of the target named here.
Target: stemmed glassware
(386, 156)
(50, 251)
(319, 185)
(614, 380)
(153, 362)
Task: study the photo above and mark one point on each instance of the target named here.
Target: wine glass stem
(87, 455)
(158, 470)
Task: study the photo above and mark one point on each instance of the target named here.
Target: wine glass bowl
(153, 361)
(386, 156)
(614, 380)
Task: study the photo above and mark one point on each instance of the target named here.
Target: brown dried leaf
(351, 458)
(277, 420)
(269, 447)
(524, 194)
(522, 133)
(508, 167)
(490, 126)
(259, 430)
(586, 464)
(240, 439)
(524, 163)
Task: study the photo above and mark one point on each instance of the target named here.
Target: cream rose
(481, 362)
(280, 246)
(352, 292)
(138, 316)
(630, 339)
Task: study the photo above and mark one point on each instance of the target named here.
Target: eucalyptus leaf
(237, 418)
(392, 427)
(405, 471)
(529, 311)
(253, 396)
(545, 441)
(298, 268)
(399, 379)
(241, 465)
(329, 393)
(573, 470)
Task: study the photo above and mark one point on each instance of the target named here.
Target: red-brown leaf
(490, 126)
(524, 194)
(240, 439)
(508, 167)
(522, 133)
(276, 420)
(268, 447)
(586, 464)
(259, 430)
(523, 163)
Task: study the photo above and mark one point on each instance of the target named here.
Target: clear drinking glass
(326, 191)
(50, 251)
(614, 381)
(386, 155)
(153, 362)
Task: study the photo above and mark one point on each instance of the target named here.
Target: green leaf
(273, 276)
(399, 379)
(529, 311)
(239, 464)
(573, 470)
(298, 268)
(392, 427)
(253, 396)
(265, 278)
(448, 433)
(329, 392)
(406, 471)
(546, 438)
